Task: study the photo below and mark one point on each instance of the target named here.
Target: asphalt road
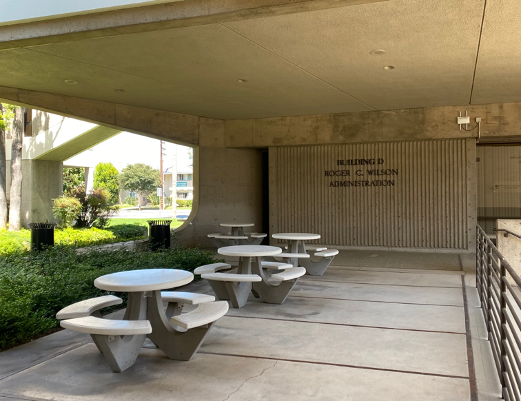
(150, 214)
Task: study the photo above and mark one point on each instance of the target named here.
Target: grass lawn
(142, 222)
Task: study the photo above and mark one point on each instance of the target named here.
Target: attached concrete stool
(219, 288)
(87, 307)
(119, 340)
(318, 264)
(176, 301)
(227, 240)
(254, 238)
(275, 288)
(275, 265)
(181, 336)
(238, 286)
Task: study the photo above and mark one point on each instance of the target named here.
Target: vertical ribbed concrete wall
(417, 194)
(498, 184)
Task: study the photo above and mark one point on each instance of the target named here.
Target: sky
(127, 148)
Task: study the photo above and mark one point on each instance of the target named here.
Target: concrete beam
(168, 126)
(157, 17)
(79, 144)
(500, 123)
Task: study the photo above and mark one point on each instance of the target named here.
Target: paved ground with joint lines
(381, 332)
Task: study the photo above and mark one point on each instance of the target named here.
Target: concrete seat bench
(327, 253)
(258, 235)
(204, 314)
(224, 277)
(186, 297)
(218, 287)
(102, 326)
(237, 286)
(275, 265)
(276, 287)
(221, 239)
(87, 307)
(292, 255)
(313, 250)
(110, 337)
(319, 262)
(289, 273)
(176, 301)
(211, 268)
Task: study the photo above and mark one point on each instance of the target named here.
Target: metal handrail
(498, 294)
(507, 232)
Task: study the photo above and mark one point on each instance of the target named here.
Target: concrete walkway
(356, 333)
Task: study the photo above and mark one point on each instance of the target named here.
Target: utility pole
(174, 180)
(161, 176)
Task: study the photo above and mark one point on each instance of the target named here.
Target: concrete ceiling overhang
(309, 61)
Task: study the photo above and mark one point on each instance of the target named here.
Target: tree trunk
(3, 178)
(16, 171)
(139, 201)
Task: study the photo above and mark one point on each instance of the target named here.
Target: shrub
(96, 210)
(15, 242)
(66, 209)
(184, 203)
(130, 201)
(154, 199)
(128, 232)
(168, 201)
(35, 287)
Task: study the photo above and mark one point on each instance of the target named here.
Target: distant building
(184, 183)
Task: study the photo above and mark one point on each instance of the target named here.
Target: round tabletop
(236, 225)
(249, 251)
(296, 236)
(143, 280)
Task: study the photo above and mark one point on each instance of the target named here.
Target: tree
(73, 178)
(15, 199)
(106, 177)
(139, 178)
(6, 115)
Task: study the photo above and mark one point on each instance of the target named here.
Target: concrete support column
(42, 182)
(227, 186)
(89, 179)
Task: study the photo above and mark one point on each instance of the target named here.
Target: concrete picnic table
(144, 301)
(271, 283)
(178, 335)
(237, 235)
(298, 255)
(236, 229)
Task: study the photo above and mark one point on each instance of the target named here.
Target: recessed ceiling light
(241, 80)
(377, 52)
(71, 82)
(119, 90)
(389, 67)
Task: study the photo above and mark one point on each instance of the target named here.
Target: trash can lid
(160, 222)
(42, 225)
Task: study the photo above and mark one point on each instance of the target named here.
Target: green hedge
(13, 242)
(35, 286)
(184, 203)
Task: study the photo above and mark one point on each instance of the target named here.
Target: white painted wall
(19, 11)
(56, 131)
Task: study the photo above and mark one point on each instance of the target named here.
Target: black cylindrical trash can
(159, 234)
(42, 235)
